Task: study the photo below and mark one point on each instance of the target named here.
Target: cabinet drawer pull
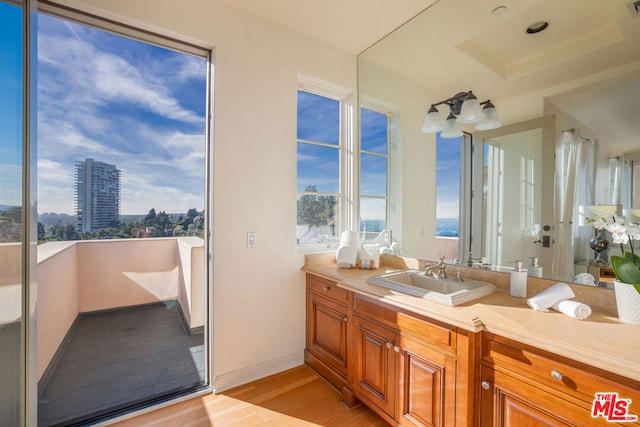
(396, 349)
(389, 345)
(556, 375)
(326, 288)
(345, 318)
(485, 385)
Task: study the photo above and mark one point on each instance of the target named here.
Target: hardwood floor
(297, 397)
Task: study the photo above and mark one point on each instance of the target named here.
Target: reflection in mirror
(581, 73)
(512, 192)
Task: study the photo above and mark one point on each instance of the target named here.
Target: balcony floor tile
(115, 358)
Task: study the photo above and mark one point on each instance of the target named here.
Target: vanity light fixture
(464, 107)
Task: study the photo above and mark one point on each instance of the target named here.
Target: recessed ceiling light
(499, 10)
(537, 27)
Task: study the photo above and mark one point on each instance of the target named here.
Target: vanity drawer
(428, 330)
(327, 289)
(576, 379)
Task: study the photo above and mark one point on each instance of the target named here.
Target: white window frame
(394, 162)
(347, 217)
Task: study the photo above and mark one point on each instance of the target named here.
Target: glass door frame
(547, 124)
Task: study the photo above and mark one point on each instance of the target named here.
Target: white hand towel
(347, 253)
(545, 299)
(349, 238)
(346, 256)
(574, 309)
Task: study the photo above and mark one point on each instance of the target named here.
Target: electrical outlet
(251, 239)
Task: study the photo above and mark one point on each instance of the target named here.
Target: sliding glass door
(133, 137)
(16, 366)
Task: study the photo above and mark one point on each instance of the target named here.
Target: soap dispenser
(534, 270)
(518, 284)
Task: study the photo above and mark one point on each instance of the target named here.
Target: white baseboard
(242, 376)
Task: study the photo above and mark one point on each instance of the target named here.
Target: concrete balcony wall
(10, 282)
(119, 273)
(58, 290)
(191, 280)
(84, 276)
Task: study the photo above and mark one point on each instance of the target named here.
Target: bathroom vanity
(492, 361)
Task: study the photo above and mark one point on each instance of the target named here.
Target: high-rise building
(97, 194)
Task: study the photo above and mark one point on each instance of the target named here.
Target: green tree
(150, 219)
(41, 232)
(315, 210)
(162, 221)
(11, 225)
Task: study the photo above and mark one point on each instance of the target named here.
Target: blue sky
(134, 105)
(10, 104)
(447, 178)
(318, 121)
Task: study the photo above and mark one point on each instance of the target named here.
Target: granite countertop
(601, 340)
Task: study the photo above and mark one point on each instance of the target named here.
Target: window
(318, 169)
(374, 171)
(448, 186)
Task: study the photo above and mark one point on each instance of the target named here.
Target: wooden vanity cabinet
(524, 386)
(406, 367)
(374, 379)
(327, 332)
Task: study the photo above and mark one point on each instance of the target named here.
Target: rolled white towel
(348, 238)
(574, 309)
(346, 256)
(545, 299)
(347, 252)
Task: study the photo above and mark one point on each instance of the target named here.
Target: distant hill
(7, 207)
(51, 219)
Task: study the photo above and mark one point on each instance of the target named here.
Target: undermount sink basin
(444, 291)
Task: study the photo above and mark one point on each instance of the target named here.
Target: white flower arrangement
(627, 266)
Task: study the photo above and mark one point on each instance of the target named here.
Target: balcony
(119, 322)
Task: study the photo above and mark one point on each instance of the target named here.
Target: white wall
(258, 293)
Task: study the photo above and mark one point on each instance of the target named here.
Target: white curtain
(570, 162)
(626, 198)
(494, 204)
(616, 166)
(586, 169)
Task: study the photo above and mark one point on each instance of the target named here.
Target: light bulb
(451, 129)
(432, 121)
(470, 111)
(490, 119)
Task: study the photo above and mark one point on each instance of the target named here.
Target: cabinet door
(375, 364)
(327, 331)
(507, 401)
(427, 385)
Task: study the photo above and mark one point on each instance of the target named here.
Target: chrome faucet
(436, 271)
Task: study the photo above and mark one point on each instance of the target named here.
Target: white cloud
(11, 189)
(138, 196)
(116, 79)
(81, 90)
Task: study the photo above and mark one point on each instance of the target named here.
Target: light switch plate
(251, 239)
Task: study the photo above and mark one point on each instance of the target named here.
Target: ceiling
(350, 25)
(586, 63)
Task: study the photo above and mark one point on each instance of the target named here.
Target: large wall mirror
(568, 98)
